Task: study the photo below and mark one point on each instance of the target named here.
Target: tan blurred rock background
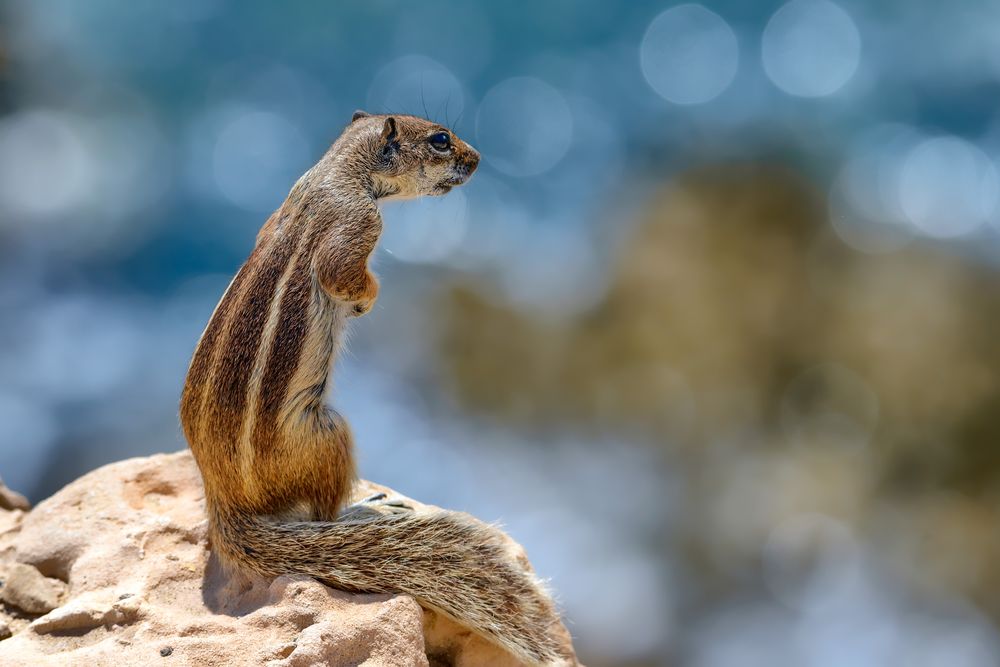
(780, 374)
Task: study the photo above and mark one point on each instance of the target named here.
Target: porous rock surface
(115, 569)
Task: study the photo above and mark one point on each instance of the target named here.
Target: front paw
(360, 308)
(360, 298)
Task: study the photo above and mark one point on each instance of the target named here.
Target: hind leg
(328, 474)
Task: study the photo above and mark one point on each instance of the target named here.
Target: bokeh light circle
(689, 55)
(417, 85)
(866, 232)
(524, 126)
(811, 48)
(948, 187)
(45, 166)
(807, 558)
(863, 204)
(426, 230)
(256, 158)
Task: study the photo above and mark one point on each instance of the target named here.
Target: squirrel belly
(254, 407)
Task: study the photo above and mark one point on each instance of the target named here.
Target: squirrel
(278, 463)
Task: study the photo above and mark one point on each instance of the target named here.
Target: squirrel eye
(441, 141)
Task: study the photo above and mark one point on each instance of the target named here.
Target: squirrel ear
(389, 138)
(359, 114)
(389, 131)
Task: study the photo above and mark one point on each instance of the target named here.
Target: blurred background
(713, 331)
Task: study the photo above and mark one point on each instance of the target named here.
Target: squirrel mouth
(460, 173)
(458, 176)
(446, 185)
(454, 179)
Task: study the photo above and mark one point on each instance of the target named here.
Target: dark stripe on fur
(231, 385)
(194, 387)
(285, 353)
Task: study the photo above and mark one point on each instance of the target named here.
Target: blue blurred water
(142, 144)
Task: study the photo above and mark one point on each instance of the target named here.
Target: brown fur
(254, 405)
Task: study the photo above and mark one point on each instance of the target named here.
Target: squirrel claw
(373, 507)
(360, 308)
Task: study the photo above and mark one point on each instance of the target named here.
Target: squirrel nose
(471, 160)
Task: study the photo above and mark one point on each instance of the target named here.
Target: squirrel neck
(349, 171)
(341, 189)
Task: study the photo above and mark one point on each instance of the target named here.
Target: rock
(25, 588)
(11, 500)
(141, 588)
(12, 508)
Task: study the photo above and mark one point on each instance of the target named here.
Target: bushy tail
(446, 560)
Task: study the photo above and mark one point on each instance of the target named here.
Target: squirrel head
(411, 157)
